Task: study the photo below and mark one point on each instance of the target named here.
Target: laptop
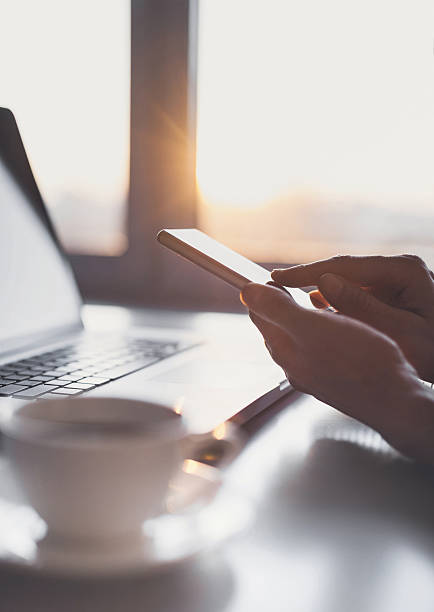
(46, 351)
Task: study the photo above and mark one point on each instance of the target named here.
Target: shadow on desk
(343, 480)
(205, 584)
(361, 520)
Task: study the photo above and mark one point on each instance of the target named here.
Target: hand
(393, 294)
(348, 365)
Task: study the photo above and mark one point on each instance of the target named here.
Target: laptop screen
(37, 290)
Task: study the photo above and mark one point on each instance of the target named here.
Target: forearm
(413, 431)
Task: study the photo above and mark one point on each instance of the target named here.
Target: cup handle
(217, 448)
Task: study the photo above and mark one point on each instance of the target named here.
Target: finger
(361, 270)
(275, 306)
(267, 329)
(271, 284)
(358, 303)
(276, 340)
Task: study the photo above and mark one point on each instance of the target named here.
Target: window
(65, 74)
(288, 130)
(316, 127)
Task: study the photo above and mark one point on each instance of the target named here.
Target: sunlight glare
(325, 99)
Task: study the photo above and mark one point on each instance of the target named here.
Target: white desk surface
(342, 525)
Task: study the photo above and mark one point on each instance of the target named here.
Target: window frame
(160, 47)
(162, 188)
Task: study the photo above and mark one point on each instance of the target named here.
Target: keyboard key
(40, 378)
(57, 383)
(65, 391)
(70, 377)
(74, 365)
(50, 396)
(84, 373)
(15, 365)
(4, 373)
(30, 383)
(79, 385)
(7, 369)
(54, 372)
(7, 381)
(11, 389)
(32, 362)
(94, 380)
(33, 392)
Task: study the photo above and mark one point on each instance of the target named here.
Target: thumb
(274, 305)
(356, 302)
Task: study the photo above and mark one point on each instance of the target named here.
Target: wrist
(412, 432)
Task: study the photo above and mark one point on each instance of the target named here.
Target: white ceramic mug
(96, 468)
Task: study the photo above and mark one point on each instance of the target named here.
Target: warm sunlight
(319, 117)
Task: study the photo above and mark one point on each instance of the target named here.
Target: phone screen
(218, 259)
(221, 255)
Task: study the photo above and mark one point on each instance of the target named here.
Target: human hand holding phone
(343, 362)
(394, 294)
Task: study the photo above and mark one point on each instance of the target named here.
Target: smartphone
(218, 259)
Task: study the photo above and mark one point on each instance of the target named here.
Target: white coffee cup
(96, 468)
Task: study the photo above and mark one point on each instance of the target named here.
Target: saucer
(201, 513)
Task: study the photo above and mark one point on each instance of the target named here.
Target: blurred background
(289, 130)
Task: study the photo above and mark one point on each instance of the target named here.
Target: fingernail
(276, 273)
(317, 304)
(331, 283)
(318, 299)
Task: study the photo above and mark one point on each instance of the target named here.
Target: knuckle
(353, 298)
(341, 259)
(360, 298)
(413, 266)
(378, 260)
(413, 261)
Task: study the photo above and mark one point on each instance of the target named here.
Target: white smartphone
(218, 259)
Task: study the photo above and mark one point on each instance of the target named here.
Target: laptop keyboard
(76, 368)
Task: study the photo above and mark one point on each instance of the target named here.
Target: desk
(342, 524)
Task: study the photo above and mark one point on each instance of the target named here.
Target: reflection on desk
(345, 523)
